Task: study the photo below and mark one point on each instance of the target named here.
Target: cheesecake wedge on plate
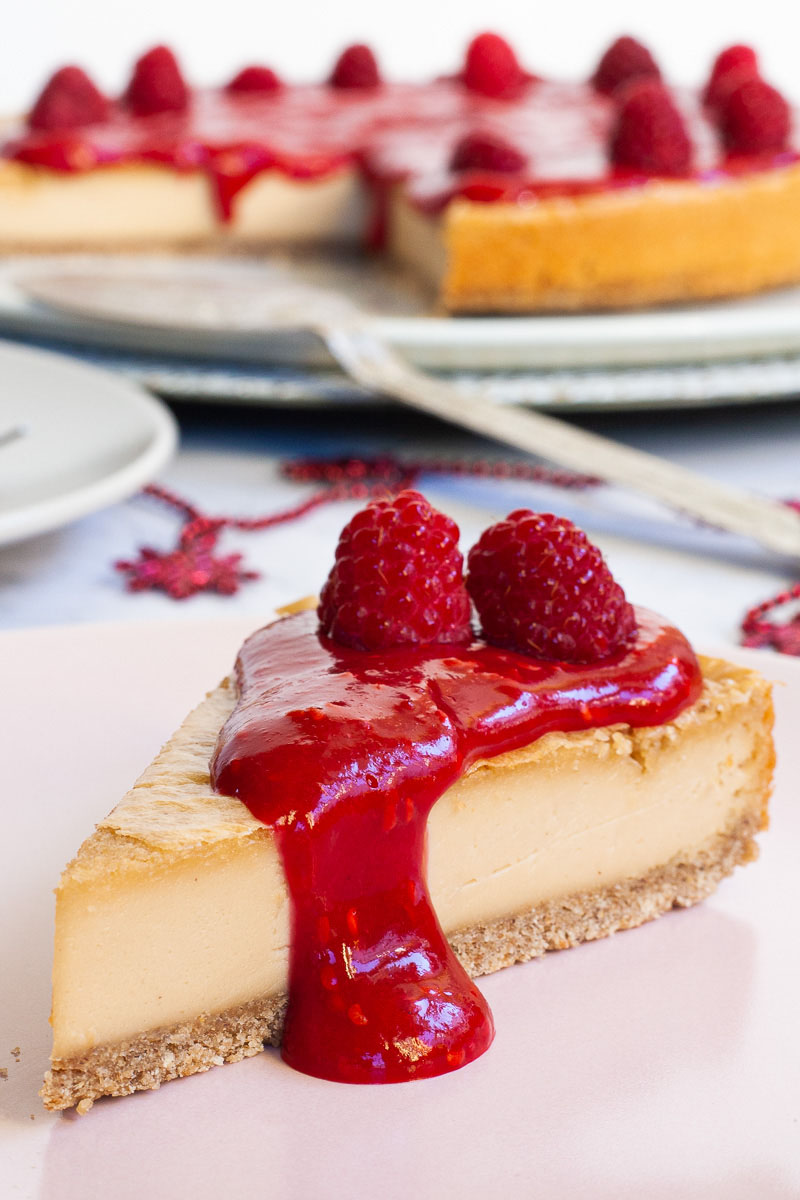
(381, 806)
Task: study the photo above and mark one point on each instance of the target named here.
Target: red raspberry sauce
(393, 132)
(343, 753)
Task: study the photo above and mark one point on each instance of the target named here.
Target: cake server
(287, 304)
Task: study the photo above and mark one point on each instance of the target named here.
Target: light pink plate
(664, 1062)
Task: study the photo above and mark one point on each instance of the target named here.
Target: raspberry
(624, 60)
(755, 118)
(541, 588)
(68, 100)
(730, 66)
(356, 67)
(157, 84)
(486, 152)
(491, 67)
(397, 579)
(650, 134)
(255, 79)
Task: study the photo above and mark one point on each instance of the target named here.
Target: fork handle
(377, 367)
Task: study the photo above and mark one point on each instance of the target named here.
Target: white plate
(139, 316)
(91, 439)
(660, 1063)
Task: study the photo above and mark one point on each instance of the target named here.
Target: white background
(414, 38)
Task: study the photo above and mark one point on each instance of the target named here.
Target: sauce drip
(343, 753)
(396, 131)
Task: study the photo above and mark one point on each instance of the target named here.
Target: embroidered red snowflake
(192, 567)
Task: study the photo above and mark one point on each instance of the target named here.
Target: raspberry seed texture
(624, 60)
(491, 67)
(650, 133)
(356, 67)
(68, 100)
(755, 118)
(397, 579)
(543, 589)
(730, 66)
(255, 79)
(157, 84)
(480, 151)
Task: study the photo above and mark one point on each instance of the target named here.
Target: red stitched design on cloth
(193, 566)
(783, 636)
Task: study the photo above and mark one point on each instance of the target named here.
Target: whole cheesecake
(504, 190)
(362, 828)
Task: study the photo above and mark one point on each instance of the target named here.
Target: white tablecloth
(229, 463)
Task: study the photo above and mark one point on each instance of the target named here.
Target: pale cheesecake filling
(416, 238)
(148, 940)
(139, 204)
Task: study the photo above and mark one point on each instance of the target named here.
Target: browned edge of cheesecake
(665, 242)
(153, 1058)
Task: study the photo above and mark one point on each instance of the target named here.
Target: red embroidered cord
(193, 566)
(783, 636)
(394, 472)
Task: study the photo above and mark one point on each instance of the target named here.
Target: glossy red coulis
(343, 753)
(395, 131)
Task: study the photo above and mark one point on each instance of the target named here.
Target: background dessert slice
(503, 190)
(172, 922)
(667, 240)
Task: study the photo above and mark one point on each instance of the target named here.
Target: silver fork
(375, 365)
(289, 304)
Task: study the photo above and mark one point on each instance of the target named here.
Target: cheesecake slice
(172, 922)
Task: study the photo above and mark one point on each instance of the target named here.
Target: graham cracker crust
(153, 1058)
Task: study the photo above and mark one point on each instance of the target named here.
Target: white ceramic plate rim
(28, 520)
(758, 326)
